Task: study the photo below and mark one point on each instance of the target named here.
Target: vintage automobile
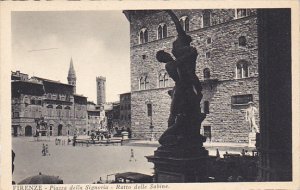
(132, 177)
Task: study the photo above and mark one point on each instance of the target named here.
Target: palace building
(227, 66)
(36, 100)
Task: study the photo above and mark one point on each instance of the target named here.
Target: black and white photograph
(145, 98)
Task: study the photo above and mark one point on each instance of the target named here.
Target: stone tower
(72, 76)
(100, 90)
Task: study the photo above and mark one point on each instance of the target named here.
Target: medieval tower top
(72, 75)
(101, 90)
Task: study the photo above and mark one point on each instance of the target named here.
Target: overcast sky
(98, 42)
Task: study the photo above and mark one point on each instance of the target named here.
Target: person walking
(47, 150)
(132, 156)
(43, 150)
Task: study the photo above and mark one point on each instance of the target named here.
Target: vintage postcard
(149, 95)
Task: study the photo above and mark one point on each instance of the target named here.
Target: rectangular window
(149, 109)
(16, 114)
(208, 41)
(207, 54)
(240, 13)
(241, 99)
(207, 132)
(206, 19)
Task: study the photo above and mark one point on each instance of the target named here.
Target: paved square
(77, 165)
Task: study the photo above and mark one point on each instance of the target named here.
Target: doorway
(15, 130)
(59, 131)
(28, 131)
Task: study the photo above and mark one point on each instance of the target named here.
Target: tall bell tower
(72, 76)
(101, 99)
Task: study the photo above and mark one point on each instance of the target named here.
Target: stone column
(274, 56)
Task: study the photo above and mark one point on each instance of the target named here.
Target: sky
(43, 43)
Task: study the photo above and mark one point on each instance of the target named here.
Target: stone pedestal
(180, 165)
(252, 139)
(124, 135)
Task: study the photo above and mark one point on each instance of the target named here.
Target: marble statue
(250, 117)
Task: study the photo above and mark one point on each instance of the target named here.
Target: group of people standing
(61, 141)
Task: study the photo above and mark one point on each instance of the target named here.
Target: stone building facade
(112, 114)
(227, 66)
(37, 99)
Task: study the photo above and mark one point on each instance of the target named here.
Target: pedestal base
(180, 165)
(252, 139)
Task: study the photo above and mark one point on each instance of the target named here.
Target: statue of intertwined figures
(185, 113)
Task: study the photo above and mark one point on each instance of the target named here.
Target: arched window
(58, 110)
(206, 73)
(161, 31)
(50, 107)
(184, 21)
(206, 19)
(143, 36)
(163, 79)
(144, 83)
(242, 41)
(242, 69)
(67, 111)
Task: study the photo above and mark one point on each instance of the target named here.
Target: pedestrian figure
(43, 150)
(243, 152)
(47, 150)
(100, 181)
(218, 153)
(69, 140)
(74, 140)
(132, 156)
